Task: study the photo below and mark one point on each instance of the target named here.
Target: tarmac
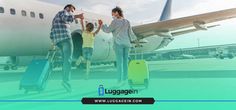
(191, 84)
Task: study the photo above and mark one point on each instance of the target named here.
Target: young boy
(88, 43)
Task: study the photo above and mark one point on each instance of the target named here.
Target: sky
(146, 11)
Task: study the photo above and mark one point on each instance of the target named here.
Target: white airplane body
(29, 35)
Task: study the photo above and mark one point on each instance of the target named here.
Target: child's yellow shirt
(88, 39)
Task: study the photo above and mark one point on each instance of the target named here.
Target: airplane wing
(175, 27)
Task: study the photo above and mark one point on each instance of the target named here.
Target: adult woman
(122, 36)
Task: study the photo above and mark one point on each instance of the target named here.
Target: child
(88, 43)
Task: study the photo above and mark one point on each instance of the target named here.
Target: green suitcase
(138, 73)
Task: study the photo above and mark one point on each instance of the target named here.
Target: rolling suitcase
(37, 73)
(138, 73)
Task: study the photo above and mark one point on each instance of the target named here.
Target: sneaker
(78, 62)
(67, 86)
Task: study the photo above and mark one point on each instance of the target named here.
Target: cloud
(148, 10)
(100, 8)
(144, 11)
(204, 6)
(136, 10)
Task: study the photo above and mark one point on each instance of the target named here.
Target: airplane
(25, 28)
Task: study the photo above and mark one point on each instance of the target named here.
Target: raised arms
(99, 27)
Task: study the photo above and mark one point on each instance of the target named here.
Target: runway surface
(176, 80)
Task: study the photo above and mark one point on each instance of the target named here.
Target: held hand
(80, 16)
(100, 22)
(53, 46)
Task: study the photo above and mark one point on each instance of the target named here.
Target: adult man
(61, 37)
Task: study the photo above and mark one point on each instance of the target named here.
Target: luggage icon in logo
(101, 90)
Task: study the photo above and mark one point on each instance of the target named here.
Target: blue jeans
(66, 48)
(87, 53)
(122, 54)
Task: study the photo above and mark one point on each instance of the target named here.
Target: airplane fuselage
(25, 28)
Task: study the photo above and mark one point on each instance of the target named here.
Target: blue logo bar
(101, 91)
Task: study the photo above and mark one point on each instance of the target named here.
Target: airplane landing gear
(11, 64)
(6, 68)
(10, 67)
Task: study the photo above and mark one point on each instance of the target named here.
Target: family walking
(61, 37)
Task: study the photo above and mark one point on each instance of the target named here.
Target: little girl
(88, 43)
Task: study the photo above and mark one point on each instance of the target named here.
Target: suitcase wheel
(146, 83)
(130, 84)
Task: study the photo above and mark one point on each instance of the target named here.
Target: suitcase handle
(135, 51)
(51, 54)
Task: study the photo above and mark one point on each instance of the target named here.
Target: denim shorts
(87, 53)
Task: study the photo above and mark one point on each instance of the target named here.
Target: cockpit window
(41, 16)
(12, 11)
(1, 10)
(32, 14)
(23, 13)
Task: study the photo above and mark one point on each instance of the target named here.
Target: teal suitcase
(37, 74)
